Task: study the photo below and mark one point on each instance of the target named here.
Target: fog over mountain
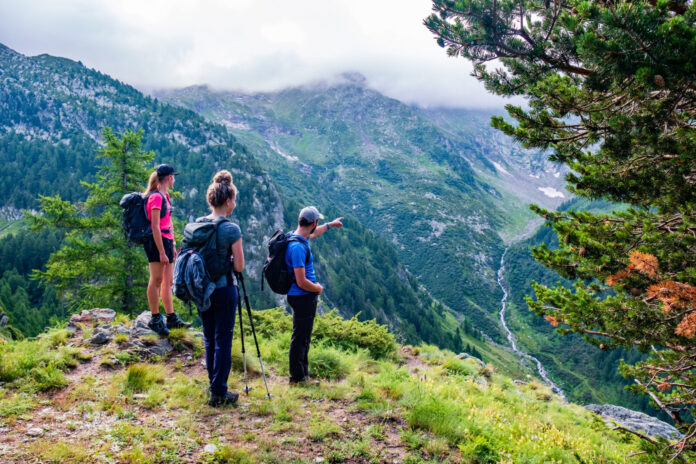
(251, 46)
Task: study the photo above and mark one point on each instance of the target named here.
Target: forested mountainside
(52, 111)
(586, 373)
(441, 185)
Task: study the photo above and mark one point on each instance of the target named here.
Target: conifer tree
(610, 87)
(97, 266)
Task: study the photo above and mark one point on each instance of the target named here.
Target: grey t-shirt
(227, 234)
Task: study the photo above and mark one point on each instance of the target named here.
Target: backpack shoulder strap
(164, 202)
(306, 247)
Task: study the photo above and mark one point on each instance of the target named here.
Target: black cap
(164, 170)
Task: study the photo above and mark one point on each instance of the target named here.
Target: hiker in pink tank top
(160, 249)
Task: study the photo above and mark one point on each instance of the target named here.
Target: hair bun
(223, 177)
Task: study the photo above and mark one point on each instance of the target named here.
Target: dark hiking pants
(304, 308)
(218, 323)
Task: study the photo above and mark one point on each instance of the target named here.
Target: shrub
(456, 366)
(327, 362)
(350, 334)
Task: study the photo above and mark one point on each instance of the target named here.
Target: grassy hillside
(65, 401)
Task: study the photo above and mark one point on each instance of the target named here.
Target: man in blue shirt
(305, 290)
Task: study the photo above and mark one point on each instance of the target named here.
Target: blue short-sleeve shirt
(296, 256)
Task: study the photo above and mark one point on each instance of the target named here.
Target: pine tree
(610, 92)
(97, 266)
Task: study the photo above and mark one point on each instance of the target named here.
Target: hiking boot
(222, 400)
(175, 322)
(305, 382)
(156, 324)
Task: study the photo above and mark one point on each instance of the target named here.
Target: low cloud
(259, 45)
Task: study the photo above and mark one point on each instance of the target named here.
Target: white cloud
(248, 44)
(551, 192)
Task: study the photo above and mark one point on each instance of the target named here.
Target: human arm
(304, 284)
(238, 256)
(324, 227)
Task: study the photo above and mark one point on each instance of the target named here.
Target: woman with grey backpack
(218, 318)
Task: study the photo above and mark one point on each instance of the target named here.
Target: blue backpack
(135, 222)
(199, 264)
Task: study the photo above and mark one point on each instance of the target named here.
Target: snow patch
(288, 157)
(551, 192)
(500, 168)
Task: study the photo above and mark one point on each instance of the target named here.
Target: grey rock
(3, 320)
(160, 348)
(138, 332)
(92, 315)
(101, 335)
(143, 320)
(122, 329)
(635, 421)
(71, 328)
(210, 448)
(35, 432)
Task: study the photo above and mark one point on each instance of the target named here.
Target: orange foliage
(673, 294)
(664, 386)
(616, 278)
(644, 263)
(687, 327)
(552, 320)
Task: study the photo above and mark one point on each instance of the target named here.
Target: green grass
(141, 377)
(15, 404)
(39, 365)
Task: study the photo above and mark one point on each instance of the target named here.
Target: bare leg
(153, 287)
(166, 288)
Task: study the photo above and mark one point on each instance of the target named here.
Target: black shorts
(153, 253)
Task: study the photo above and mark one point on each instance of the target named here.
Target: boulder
(93, 315)
(3, 320)
(140, 326)
(101, 335)
(635, 421)
(160, 348)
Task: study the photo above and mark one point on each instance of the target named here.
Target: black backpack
(275, 270)
(201, 236)
(135, 222)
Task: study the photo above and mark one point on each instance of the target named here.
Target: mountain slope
(440, 193)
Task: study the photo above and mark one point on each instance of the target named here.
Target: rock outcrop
(635, 421)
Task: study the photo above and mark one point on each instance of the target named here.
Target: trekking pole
(241, 335)
(253, 332)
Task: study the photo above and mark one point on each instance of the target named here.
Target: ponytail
(152, 183)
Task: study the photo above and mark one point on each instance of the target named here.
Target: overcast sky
(252, 45)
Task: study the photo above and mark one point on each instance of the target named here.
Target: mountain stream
(511, 337)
